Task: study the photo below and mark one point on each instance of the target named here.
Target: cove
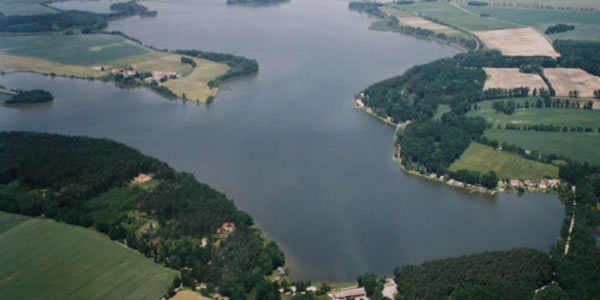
(316, 174)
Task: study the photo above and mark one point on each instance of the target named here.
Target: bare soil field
(510, 78)
(564, 80)
(517, 42)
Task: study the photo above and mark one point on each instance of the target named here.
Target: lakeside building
(358, 293)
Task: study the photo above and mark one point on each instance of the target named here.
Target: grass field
(450, 14)
(5, 95)
(80, 50)
(577, 146)
(24, 7)
(83, 55)
(483, 159)
(587, 24)
(43, 259)
(553, 3)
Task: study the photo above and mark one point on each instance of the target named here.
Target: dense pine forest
(172, 218)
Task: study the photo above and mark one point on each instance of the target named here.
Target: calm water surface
(287, 145)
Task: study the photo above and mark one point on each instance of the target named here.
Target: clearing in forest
(507, 165)
(42, 258)
(564, 80)
(510, 78)
(517, 42)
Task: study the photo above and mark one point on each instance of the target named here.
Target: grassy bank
(70, 262)
(483, 159)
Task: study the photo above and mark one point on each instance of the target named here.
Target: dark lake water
(316, 174)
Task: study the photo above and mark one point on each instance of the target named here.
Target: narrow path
(572, 223)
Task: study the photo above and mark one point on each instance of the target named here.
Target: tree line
(238, 65)
(30, 97)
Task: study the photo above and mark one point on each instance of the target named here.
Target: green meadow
(24, 7)
(453, 15)
(483, 159)
(44, 259)
(575, 145)
(85, 49)
(587, 24)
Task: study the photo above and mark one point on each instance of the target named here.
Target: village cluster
(510, 185)
(155, 76)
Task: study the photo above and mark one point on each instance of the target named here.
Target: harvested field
(195, 85)
(517, 42)
(510, 78)
(188, 295)
(564, 80)
(422, 23)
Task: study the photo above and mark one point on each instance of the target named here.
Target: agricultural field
(587, 24)
(517, 42)
(564, 80)
(205, 71)
(42, 258)
(80, 50)
(546, 4)
(510, 78)
(482, 158)
(575, 145)
(409, 19)
(454, 15)
(87, 55)
(24, 8)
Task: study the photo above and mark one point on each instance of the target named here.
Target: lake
(287, 145)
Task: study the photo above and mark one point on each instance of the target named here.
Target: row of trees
(546, 127)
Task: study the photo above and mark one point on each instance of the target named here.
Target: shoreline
(471, 188)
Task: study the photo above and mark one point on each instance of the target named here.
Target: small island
(20, 97)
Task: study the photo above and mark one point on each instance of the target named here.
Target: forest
(512, 274)
(416, 94)
(86, 181)
(238, 65)
(432, 145)
(579, 54)
(371, 8)
(30, 97)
